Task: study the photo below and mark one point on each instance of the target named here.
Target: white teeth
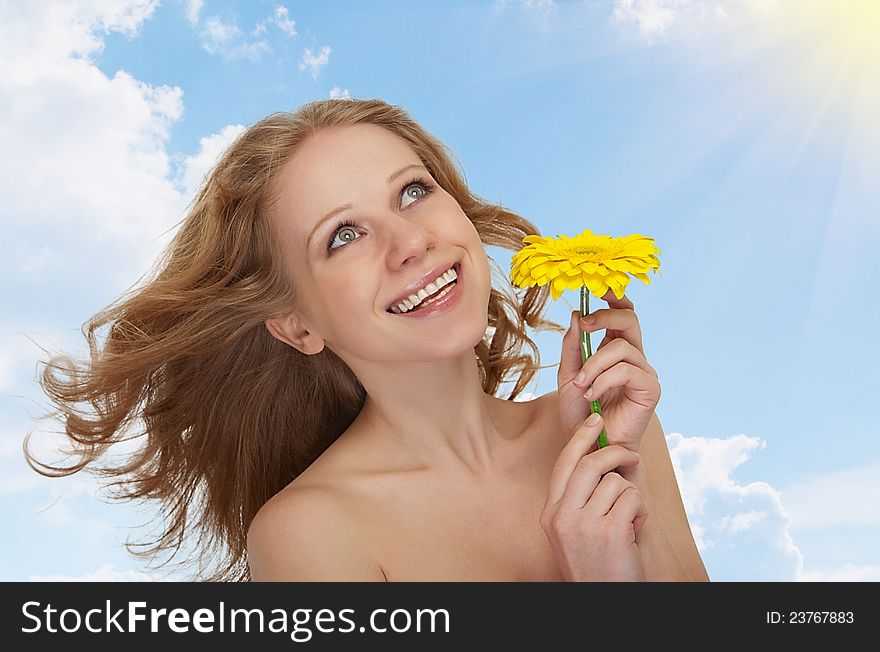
(414, 299)
(431, 288)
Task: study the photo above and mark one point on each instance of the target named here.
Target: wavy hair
(189, 370)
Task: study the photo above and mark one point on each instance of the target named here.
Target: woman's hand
(592, 514)
(627, 387)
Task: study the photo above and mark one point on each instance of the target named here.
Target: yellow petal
(596, 286)
(546, 268)
(557, 261)
(566, 265)
(559, 284)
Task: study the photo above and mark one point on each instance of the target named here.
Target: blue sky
(740, 134)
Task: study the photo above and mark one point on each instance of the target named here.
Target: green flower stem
(586, 352)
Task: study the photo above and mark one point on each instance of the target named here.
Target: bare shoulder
(547, 409)
(667, 500)
(546, 403)
(308, 533)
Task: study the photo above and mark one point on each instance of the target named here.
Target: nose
(408, 239)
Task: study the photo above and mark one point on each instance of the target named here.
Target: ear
(290, 330)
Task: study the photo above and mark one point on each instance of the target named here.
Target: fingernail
(588, 320)
(593, 419)
(580, 378)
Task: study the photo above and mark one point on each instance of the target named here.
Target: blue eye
(415, 191)
(342, 227)
(409, 189)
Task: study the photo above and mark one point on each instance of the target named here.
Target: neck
(436, 413)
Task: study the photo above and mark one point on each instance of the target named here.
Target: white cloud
(88, 193)
(652, 19)
(731, 22)
(282, 19)
(742, 530)
(226, 39)
(847, 497)
(336, 92)
(99, 194)
(105, 573)
(196, 166)
(219, 33)
(739, 522)
(745, 531)
(193, 9)
(315, 63)
(35, 35)
(93, 148)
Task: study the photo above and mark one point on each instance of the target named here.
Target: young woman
(308, 414)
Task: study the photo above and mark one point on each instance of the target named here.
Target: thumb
(570, 358)
(591, 428)
(594, 421)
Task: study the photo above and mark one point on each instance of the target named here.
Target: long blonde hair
(189, 365)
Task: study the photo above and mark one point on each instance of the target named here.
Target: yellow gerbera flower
(586, 261)
(598, 262)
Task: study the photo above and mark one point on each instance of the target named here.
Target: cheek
(478, 256)
(346, 288)
(351, 289)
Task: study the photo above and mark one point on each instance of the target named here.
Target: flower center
(589, 250)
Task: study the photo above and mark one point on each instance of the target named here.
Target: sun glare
(844, 37)
(855, 24)
(836, 63)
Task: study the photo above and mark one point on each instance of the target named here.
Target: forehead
(338, 165)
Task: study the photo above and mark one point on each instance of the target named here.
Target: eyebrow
(348, 205)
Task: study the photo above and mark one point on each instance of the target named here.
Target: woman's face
(396, 225)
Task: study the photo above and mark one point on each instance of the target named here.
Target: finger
(630, 507)
(639, 386)
(581, 440)
(609, 489)
(618, 351)
(620, 321)
(599, 462)
(614, 302)
(589, 474)
(609, 337)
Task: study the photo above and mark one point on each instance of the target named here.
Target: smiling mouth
(431, 298)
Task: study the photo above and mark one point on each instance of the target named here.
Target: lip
(412, 288)
(441, 305)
